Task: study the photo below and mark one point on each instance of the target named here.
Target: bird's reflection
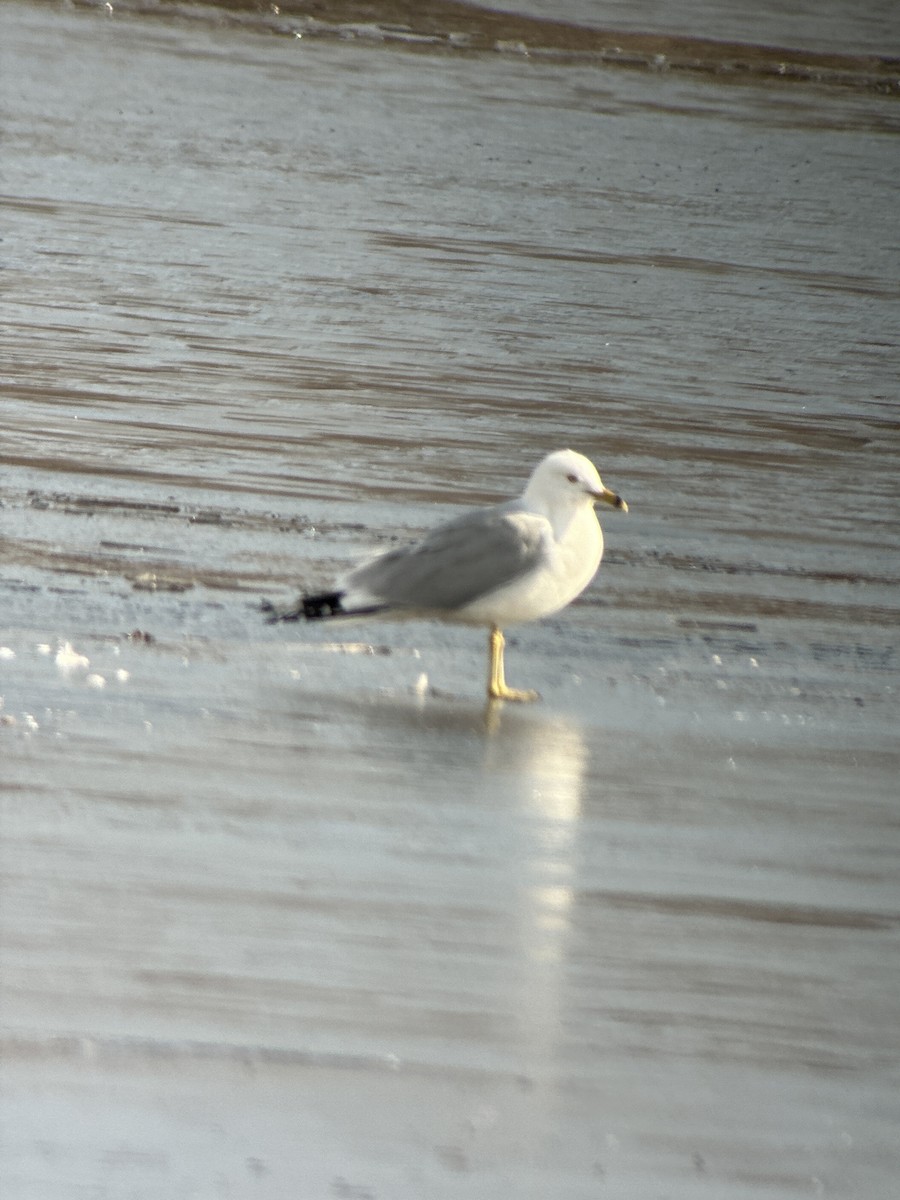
(548, 758)
(514, 779)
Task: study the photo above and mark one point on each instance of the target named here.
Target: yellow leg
(497, 689)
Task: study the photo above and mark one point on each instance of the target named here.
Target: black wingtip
(325, 604)
(310, 608)
(316, 608)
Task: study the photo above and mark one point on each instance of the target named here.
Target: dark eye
(572, 478)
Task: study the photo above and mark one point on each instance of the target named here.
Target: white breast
(569, 565)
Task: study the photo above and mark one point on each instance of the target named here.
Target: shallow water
(286, 912)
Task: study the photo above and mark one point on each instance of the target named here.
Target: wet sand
(286, 912)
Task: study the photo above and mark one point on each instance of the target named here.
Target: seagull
(518, 561)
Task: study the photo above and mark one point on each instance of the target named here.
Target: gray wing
(458, 562)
